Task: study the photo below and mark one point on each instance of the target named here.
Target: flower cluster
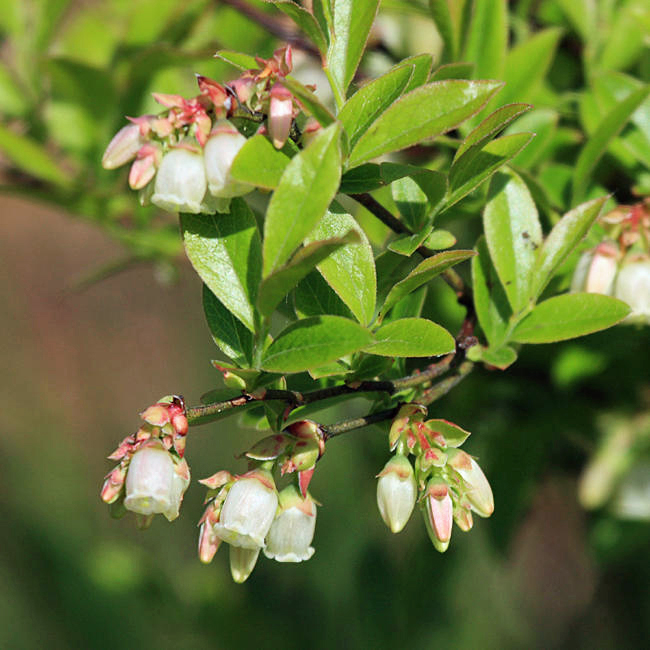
(620, 265)
(448, 483)
(181, 158)
(247, 512)
(152, 475)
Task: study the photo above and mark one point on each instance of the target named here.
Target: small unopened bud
(222, 146)
(289, 538)
(633, 287)
(123, 147)
(596, 270)
(144, 167)
(280, 115)
(396, 492)
(438, 513)
(181, 183)
(248, 511)
(478, 490)
(242, 562)
(463, 518)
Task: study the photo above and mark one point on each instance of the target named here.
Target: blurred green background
(101, 316)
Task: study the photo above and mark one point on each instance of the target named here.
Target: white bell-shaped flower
(633, 287)
(292, 531)
(222, 146)
(477, 488)
(181, 184)
(596, 270)
(153, 485)
(396, 492)
(248, 511)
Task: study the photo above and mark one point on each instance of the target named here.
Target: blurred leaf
(513, 235)
(31, 157)
(277, 285)
(626, 37)
(582, 14)
(490, 301)
(411, 337)
(13, 100)
(569, 316)
(448, 17)
(306, 189)
(475, 167)
(527, 64)
(610, 126)
(423, 273)
(350, 270)
(351, 20)
(313, 342)
(259, 163)
(421, 115)
(487, 39)
(564, 237)
(225, 251)
(228, 333)
(541, 122)
(305, 21)
(371, 100)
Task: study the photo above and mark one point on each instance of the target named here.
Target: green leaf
(411, 337)
(565, 236)
(500, 358)
(445, 16)
(350, 270)
(513, 235)
(490, 301)
(411, 202)
(305, 21)
(527, 64)
(364, 178)
(314, 297)
(280, 282)
(440, 240)
(259, 163)
(352, 20)
(487, 40)
(568, 316)
(306, 189)
(232, 338)
(238, 60)
(488, 128)
(421, 115)
(423, 273)
(225, 251)
(371, 100)
(452, 71)
(31, 157)
(541, 122)
(13, 100)
(407, 244)
(421, 64)
(309, 101)
(313, 342)
(474, 168)
(611, 125)
(582, 14)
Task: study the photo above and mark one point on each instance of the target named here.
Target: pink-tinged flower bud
(222, 146)
(477, 488)
(155, 484)
(396, 492)
(292, 530)
(113, 484)
(596, 270)
(242, 562)
(144, 167)
(280, 115)
(633, 287)
(181, 183)
(463, 517)
(123, 147)
(438, 513)
(248, 511)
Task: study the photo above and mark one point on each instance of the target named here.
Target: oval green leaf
(313, 342)
(411, 337)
